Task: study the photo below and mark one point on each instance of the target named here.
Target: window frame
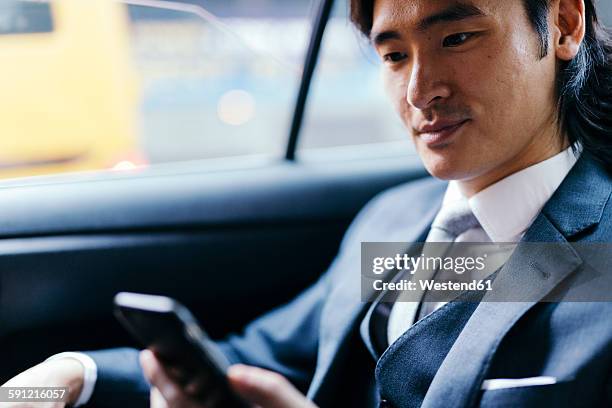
(312, 58)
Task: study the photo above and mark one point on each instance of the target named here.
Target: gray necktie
(451, 222)
(448, 225)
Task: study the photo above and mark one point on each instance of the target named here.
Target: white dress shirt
(505, 210)
(519, 198)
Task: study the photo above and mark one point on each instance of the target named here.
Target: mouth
(440, 134)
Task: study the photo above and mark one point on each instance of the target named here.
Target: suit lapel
(458, 380)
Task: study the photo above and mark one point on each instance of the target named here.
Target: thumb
(266, 389)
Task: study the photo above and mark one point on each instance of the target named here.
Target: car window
(348, 113)
(221, 82)
(120, 84)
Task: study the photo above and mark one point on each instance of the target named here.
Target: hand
(64, 372)
(266, 389)
(260, 387)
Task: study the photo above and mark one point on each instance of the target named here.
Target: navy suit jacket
(309, 339)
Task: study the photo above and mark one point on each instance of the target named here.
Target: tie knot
(452, 221)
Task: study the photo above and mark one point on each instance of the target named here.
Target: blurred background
(105, 84)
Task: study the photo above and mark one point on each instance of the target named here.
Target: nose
(426, 86)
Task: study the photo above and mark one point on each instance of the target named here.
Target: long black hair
(584, 84)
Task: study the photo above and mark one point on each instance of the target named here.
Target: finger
(157, 399)
(266, 388)
(159, 378)
(171, 392)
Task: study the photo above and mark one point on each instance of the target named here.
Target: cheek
(500, 83)
(529, 79)
(525, 89)
(395, 89)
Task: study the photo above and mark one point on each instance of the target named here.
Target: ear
(569, 29)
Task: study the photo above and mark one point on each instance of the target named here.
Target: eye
(394, 57)
(456, 40)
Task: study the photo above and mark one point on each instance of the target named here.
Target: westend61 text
(432, 285)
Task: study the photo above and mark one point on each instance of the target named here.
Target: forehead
(406, 14)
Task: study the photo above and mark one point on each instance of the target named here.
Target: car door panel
(242, 240)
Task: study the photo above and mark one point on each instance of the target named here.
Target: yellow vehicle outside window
(68, 91)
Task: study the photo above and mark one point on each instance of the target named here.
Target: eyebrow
(456, 12)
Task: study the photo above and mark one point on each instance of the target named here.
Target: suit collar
(579, 202)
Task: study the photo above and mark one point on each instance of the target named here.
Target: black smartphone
(168, 329)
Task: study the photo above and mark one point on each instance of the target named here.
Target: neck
(528, 157)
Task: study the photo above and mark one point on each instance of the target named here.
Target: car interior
(241, 239)
(229, 243)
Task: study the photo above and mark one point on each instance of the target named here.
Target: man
(501, 97)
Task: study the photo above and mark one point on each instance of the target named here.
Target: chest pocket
(557, 395)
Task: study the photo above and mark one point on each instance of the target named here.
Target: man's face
(467, 80)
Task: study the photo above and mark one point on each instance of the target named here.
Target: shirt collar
(506, 209)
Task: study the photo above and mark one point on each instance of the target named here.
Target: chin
(450, 162)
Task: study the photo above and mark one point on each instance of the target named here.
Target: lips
(440, 132)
